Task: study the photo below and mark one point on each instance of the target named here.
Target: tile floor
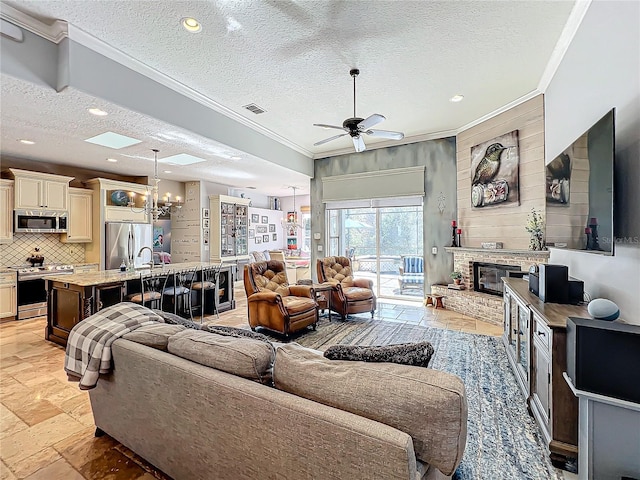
(46, 424)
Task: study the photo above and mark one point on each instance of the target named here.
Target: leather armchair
(349, 295)
(273, 303)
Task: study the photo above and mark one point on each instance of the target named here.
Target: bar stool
(177, 292)
(207, 283)
(151, 287)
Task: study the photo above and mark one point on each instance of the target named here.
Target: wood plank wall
(504, 223)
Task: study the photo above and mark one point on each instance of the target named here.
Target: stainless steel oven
(32, 292)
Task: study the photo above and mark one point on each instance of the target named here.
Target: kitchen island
(72, 298)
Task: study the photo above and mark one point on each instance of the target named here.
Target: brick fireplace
(483, 306)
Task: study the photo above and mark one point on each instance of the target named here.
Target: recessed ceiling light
(27, 142)
(191, 24)
(113, 140)
(98, 112)
(251, 188)
(167, 171)
(112, 160)
(235, 158)
(456, 98)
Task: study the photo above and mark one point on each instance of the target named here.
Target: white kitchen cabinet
(40, 190)
(80, 228)
(6, 211)
(8, 294)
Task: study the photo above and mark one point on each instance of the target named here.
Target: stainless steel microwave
(40, 221)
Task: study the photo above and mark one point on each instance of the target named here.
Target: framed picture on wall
(205, 236)
(265, 238)
(205, 223)
(258, 239)
(252, 233)
(265, 219)
(274, 237)
(255, 218)
(272, 227)
(261, 229)
(205, 213)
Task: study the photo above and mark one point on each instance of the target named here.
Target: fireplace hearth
(487, 277)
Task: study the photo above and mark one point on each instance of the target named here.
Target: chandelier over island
(151, 205)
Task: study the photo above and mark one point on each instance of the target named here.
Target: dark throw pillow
(235, 332)
(416, 354)
(174, 319)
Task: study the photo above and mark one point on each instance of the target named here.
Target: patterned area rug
(503, 442)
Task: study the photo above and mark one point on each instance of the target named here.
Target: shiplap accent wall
(504, 223)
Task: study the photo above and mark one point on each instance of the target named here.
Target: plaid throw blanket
(88, 351)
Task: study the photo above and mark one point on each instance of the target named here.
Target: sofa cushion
(154, 336)
(174, 319)
(416, 354)
(245, 357)
(355, 294)
(427, 404)
(235, 332)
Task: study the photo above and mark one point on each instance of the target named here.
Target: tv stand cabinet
(535, 339)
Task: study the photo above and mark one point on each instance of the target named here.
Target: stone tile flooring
(46, 424)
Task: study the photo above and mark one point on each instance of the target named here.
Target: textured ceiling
(293, 58)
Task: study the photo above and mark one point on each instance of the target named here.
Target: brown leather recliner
(349, 295)
(274, 304)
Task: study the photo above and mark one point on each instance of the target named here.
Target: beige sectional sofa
(320, 419)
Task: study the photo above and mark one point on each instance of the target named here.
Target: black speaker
(602, 357)
(576, 291)
(554, 283)
(534, 283)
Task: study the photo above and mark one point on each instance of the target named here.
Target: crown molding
(569, 31)
(55, 32)
(389, 143)
(99, 46)
(498, 111)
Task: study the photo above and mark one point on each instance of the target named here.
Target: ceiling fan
(356, 126)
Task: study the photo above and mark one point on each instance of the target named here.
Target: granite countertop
(113, 276)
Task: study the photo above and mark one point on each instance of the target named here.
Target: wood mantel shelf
(499, 251)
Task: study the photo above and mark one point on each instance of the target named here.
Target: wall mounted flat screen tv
(579, 191)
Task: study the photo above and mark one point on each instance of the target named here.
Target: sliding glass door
(378, 239)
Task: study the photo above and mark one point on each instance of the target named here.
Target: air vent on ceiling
(252, 107)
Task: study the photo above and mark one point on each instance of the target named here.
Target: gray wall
(601, 70)
(439, 158)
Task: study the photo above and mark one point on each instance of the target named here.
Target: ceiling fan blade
(370, 121)
(329, 139)
(385, 134)
(324, 125)
(358, 142)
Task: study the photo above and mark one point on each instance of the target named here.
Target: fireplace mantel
(542, 254)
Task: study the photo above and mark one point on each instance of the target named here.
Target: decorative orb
(119, 198)
(603, 309)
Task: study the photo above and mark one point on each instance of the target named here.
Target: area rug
(503, 442)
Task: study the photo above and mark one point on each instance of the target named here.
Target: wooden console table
(535, 338)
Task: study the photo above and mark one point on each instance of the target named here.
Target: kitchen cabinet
(8, 295)
(229, 228)
(549, 398)
(6, 211)
(80, 228)
(34, 190)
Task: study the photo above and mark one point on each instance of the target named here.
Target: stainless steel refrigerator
(123, 242)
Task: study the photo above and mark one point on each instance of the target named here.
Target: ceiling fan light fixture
(456, 98)
(191, 24)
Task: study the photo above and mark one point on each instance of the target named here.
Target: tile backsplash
(51, 248)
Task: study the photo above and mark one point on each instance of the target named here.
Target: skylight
(181, 159)
(113, 140)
